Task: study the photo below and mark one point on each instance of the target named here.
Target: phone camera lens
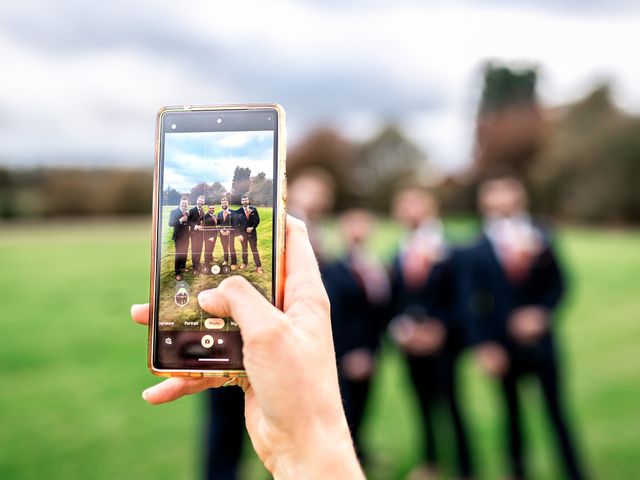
(173, 126)
(219, 121)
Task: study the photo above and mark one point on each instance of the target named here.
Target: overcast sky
(196, 157)
(81, 81)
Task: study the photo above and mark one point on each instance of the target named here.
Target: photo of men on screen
(217, 204)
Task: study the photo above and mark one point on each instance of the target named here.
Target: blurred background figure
(358, 289)
(516, 286)
(426, 325)
(224, 433)
(310, 197)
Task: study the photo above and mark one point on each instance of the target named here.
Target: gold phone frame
(280, 205)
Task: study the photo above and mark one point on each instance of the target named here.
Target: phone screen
(216, 218)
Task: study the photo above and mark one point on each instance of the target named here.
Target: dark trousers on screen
(253, 243)
(182, 247)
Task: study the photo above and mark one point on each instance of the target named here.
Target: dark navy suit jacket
(355, 321)
(438, 298)
(242, 222)
(492, 297)
(180, 230)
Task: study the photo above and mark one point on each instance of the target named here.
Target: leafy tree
(240, 184)
(171, 196)
(199, 189)
(261, 191)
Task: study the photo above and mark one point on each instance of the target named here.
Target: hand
(183, 219)
(293, 408)
(197, 227)
(358, 364)
(493, 359)
(211, 239)
(418, 338)
(249, 229)
(224, 232)
(527, 324)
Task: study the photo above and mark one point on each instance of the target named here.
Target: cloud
(193, 158)
(82, 81)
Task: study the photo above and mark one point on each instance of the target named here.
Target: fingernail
(203, 294)
(145, 394)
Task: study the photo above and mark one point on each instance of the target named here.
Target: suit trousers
(229, 248)
(253, 243)
(434, 380)
(540, 361)
(225, 433)
(182, 249)
(197, 239)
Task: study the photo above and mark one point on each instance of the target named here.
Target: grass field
(73, 365)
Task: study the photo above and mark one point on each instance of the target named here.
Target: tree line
(259, 188)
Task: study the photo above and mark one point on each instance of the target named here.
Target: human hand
(197, 227)
(417, 338)
(493, 359)
(249, 229)
(357, 365)
(527, 324)
(293, 409)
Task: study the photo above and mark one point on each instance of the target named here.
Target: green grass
(73, 365)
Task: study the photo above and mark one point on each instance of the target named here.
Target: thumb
(235, 297)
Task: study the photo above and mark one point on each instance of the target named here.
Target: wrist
(326, 453)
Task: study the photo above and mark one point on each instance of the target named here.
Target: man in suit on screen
(196, 217)
(248, 219)
(178, 219)
(226, 223)
(210, 231)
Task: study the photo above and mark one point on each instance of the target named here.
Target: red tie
(416, 264)
(246, 212)
(225, 215)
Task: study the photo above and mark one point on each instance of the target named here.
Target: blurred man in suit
(516, 284)
(358, 289)
(179, 220)
(247, 221)
(226, 222)
(225, 406)
(427, 323)
(210, 232)
(196, 218)
(310, 197)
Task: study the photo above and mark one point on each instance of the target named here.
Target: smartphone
(218, 210)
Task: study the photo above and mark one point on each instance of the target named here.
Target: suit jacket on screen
(242, 222)
(195, 218)
(180, 230)
(229, 222)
